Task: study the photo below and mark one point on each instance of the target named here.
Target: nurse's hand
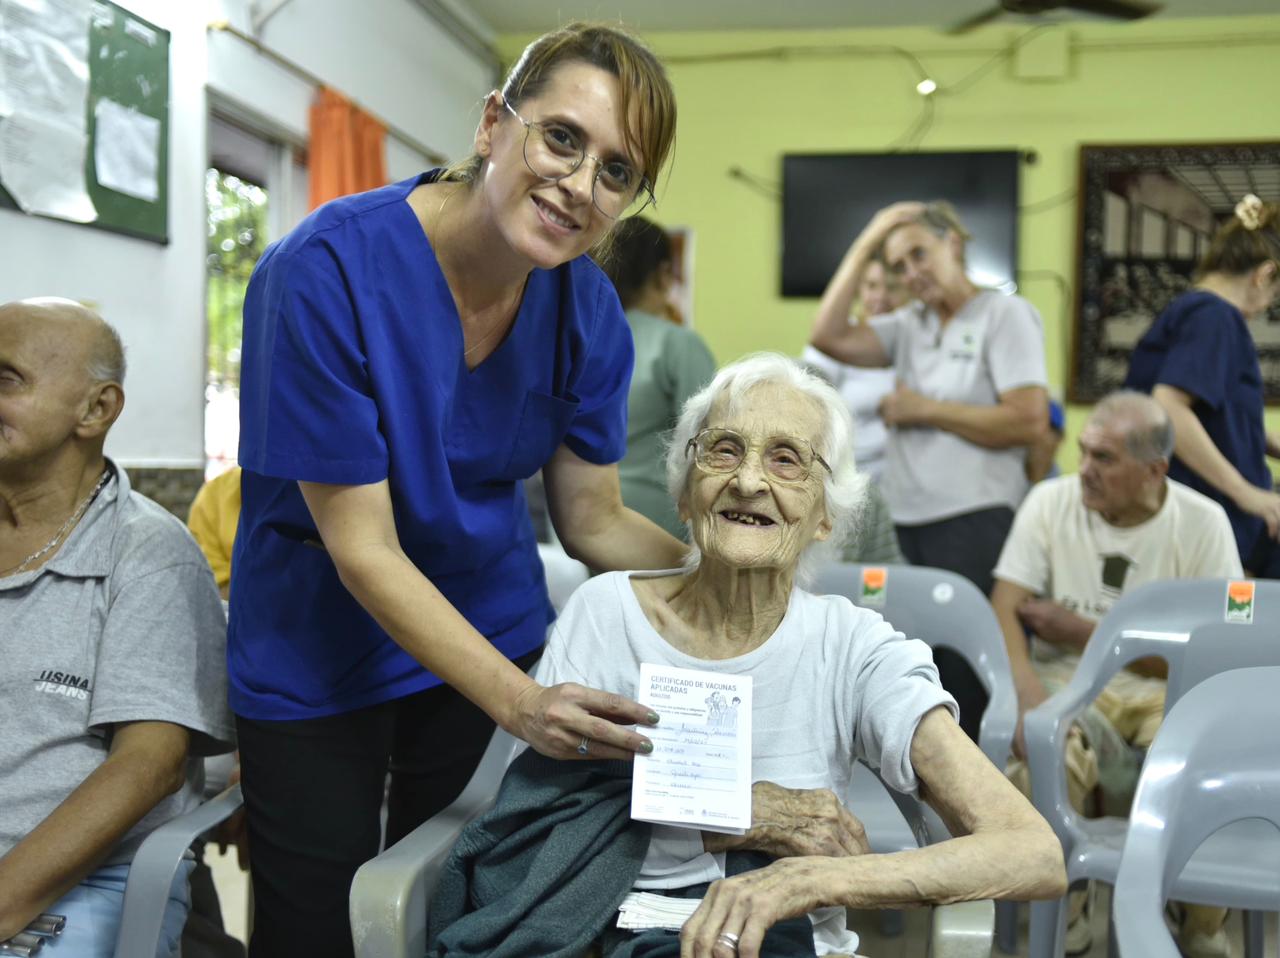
(573, 721)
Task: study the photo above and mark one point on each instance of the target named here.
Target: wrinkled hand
(555, 720)
(905, 407)
(748, 905)
(234, 830)
(1264, 504)
(793, 822)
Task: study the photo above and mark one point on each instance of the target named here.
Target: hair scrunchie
(1249, 212)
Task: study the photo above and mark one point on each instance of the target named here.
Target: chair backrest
(1199, 626)
(1215, 761)
(943, 609)
(564, 573)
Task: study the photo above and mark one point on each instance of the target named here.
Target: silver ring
(728, 938)
(582, 746)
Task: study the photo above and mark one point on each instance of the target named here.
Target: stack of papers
(641, 910)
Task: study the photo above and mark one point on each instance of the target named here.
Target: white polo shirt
(993, 344)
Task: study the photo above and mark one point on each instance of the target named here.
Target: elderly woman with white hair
(761, 468)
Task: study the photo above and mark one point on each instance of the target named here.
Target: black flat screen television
(828, 198)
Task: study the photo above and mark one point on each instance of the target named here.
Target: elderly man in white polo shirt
(1077, 544)
(112, 643)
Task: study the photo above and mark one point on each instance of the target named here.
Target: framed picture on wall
(1146, 215)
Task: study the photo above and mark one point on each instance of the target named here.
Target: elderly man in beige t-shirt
(1078, 542)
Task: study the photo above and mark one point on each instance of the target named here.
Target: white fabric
(861, 389)
(1061, 550)
(995, 343)
(834, 683)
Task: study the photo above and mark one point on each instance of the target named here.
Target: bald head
(75, 328)
(1145, 425)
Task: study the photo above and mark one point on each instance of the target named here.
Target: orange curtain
(348, 149)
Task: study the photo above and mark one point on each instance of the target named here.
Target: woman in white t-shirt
(970, 397)
(761, 470)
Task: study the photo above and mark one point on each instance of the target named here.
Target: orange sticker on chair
(874, 579)
(1239, 602)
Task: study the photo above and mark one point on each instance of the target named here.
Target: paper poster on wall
(44, 89)
(42, 167)
(126, 150)
(45, 54)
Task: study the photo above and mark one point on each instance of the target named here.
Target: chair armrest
(389, 894)
(995, 735)
(1045, 729)
(965, 929)
(151, 874)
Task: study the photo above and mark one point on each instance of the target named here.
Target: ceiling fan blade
(973, 22)
(1116, 9)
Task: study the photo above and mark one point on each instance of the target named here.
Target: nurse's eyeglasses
(553, 151)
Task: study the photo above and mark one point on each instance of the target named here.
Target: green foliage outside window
(237, 237)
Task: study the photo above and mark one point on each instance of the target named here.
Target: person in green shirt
(672, 363)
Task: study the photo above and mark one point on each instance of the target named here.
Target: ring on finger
(584, 746)
(729, 939)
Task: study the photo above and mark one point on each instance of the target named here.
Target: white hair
(844, 488)
(1148, 431)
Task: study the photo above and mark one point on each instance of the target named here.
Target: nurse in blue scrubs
(410, 355)
(1199, 361)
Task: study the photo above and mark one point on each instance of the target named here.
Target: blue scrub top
(352, 372)
(1201, 345)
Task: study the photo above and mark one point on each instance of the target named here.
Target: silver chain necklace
(63, 529)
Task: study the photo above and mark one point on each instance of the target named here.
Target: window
(236, 237)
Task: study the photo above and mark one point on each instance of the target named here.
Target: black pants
(968, 545)
(313, 793)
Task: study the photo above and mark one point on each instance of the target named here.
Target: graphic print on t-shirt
(1115, 569)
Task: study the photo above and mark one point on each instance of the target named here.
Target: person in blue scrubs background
(410, 355)
(1199, 361)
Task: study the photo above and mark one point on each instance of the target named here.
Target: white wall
(387, 54)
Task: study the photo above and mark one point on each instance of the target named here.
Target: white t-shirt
(861, 389)
(995, 343)
(834, 683)
(1060, 550)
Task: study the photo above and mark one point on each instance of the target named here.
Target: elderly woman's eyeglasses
(553, 151)
(722, 451)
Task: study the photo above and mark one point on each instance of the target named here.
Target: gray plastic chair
(391, 893)
(1214, 762)
(151, 875)
(1181, 621)
(944, 609)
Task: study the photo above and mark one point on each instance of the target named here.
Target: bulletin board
(126, 125)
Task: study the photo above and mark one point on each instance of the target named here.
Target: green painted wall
(1173, 81)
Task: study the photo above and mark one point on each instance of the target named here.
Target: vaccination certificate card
(699, 773)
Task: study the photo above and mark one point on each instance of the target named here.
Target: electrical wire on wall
(912, 137)
(758, 183)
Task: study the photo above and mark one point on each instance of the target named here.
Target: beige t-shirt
(1061, 550)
